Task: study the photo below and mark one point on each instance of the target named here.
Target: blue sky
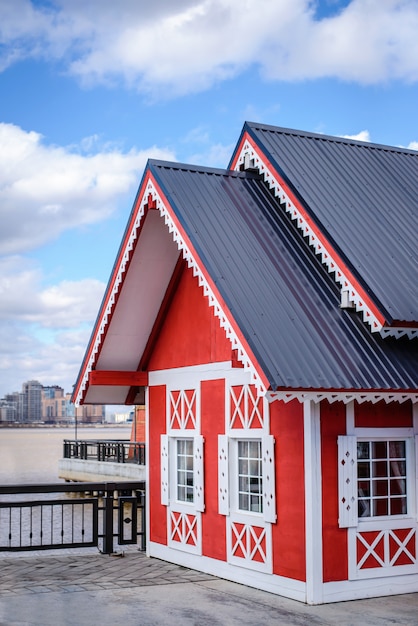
(90, 89)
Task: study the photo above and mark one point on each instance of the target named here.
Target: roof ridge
(204, 169)
(332, 138)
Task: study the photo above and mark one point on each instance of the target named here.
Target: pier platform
(130, 589)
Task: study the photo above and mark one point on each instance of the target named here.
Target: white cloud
(208, 154)
(45, 190)
(179, 46)
(413, 145)
(43, 330)
(24, 297)
(213, 155)
(363, 135)
(24, 357)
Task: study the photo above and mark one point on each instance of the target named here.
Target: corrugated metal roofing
(282, 298)
(364, 198)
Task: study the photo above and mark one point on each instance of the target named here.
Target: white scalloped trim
(242, 356)
(345, 397)
(398, 332)
(257, 162)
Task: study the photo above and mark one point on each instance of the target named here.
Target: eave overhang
(250, 155)
(152, 196)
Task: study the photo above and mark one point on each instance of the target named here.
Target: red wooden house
(271, 312)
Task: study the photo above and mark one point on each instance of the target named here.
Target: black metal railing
(72, 516)
(115, 451)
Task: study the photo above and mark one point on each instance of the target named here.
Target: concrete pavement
(83, 589)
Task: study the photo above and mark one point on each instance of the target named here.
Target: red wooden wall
(286, 425)
(191, 334)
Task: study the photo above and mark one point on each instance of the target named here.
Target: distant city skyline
(37, 403)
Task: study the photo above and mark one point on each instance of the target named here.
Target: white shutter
(223, 475)
(199, 494)
(269, 493)
(164, 469)
(347, 481)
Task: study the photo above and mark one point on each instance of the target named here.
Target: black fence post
(108, 519)
(143, 518)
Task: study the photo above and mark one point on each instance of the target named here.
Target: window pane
(380, 487)
(363, 450)
(379, 449)
(398, 468)
(380, 507)
(255, 504)
(381, 478)
(364, 507)
(380, 468)
(254, 449)
(397, 449)
(363, 470)
(254, 468)
(398, 487)
(398, 506)
(243, 466)
(243, 483)
(242, 448)
(249, 476)
(185, 476)
(364, 489)
(243, 502)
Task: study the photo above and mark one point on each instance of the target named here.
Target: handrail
(72, 487)
(44, 523)
(114, 450)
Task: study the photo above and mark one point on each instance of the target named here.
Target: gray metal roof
(282, 298)
(364, 198)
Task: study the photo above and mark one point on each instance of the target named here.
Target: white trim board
(279, 585)
(194, 374)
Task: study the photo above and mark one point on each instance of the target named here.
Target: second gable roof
(363, 199)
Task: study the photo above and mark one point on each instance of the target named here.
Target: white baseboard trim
(339, 591)
(279, 585)
(370, 588)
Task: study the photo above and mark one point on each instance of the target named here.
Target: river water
(31, 455)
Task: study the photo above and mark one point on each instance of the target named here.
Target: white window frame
(169, 468)
(408, 443)
(184, 518)
(348, 481)
(175, 457)
(235, 475)
(228, 474)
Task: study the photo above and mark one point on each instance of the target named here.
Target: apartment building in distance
(37, 403)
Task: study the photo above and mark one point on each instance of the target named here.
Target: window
(381, 478)
(185, 472)
(375, 478)
(250, 476)
(246, 476)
